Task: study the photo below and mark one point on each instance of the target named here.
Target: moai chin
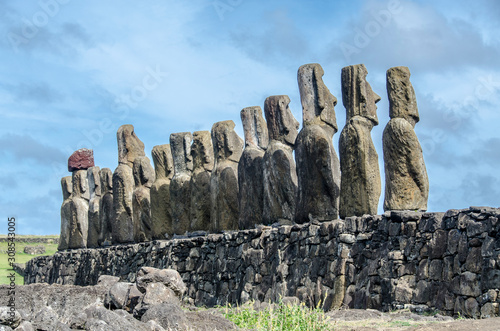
(360, 174)
(67, 189)
(161, 208)
(250, 170)
(318, 167)
(279, 172)
(129, 148)
(228, 147)
(202, 153)
(406, 181)
(95, 198)
(106, 207)
(180, 191)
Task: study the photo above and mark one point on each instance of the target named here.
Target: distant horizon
(75, 72)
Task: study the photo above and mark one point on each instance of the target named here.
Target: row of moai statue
(211, 181)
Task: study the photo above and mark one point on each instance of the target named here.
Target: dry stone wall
(444, 261)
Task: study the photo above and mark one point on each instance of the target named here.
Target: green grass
(280, 317)
(21, 257)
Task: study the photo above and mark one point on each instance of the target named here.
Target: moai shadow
(228, 147)
(318, 167)
(202, 153)
(406, 181)
(279, 172)
(161, 208)
(360, 184)
(180, 191)
(144, 177)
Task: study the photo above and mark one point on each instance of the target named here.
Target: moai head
(106, 176)
(180, 143)
(144, 174)
(202, 151)
(163, 161)
(67, 187)
(80, 185)
(317, 101)
(94, 182)
(129, 146)
(357, 94)
(254, 127)
(402, 100)
(227, 144)
(281, 124)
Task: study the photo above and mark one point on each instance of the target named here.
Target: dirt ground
(364, 320)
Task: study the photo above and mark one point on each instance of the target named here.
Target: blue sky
(72, 72)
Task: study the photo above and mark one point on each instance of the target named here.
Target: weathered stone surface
(202, 152)
(129, 145)
(81, 159)
(34, 250)
(118, 294)
(250, 168)
(228, 147)
(406, 181)
(156, 293)
(318, 181)
(180, 190)
(67, 189)
(169, 316)
(144, 176)
(168, 277)
(106, 207)
(123, 189)
(360, 174)
(279, 172)
(79, 208)
(8, 319)
(94, 202)
(161, 208)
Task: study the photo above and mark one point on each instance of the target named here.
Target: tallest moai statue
(318, 167)
(406, 182)
(360, 184)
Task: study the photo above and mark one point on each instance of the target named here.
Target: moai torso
(161, 208)
(106, 207)
(95, 198)
(250, 171)
(279, 172)
(202, 154)
(318, 167)
(228, 147)
(129, 148)
(360, 182)
(144, 177)
(406, 181)
(180, 192)
(79, 208)
(67, 188)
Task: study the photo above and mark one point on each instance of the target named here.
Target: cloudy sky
(72, 72)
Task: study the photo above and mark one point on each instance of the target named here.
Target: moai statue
(161, 208)
(360, 185)
(67, 189)
(318, 167)
(406, 182)
(79, 209)
(180, 192)
(95, 199)
(106, 207)
(250, 168)
(144, 176)
(202, 153)
(279, 172)
(129, 148)
(75, 212)
(228, 147)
